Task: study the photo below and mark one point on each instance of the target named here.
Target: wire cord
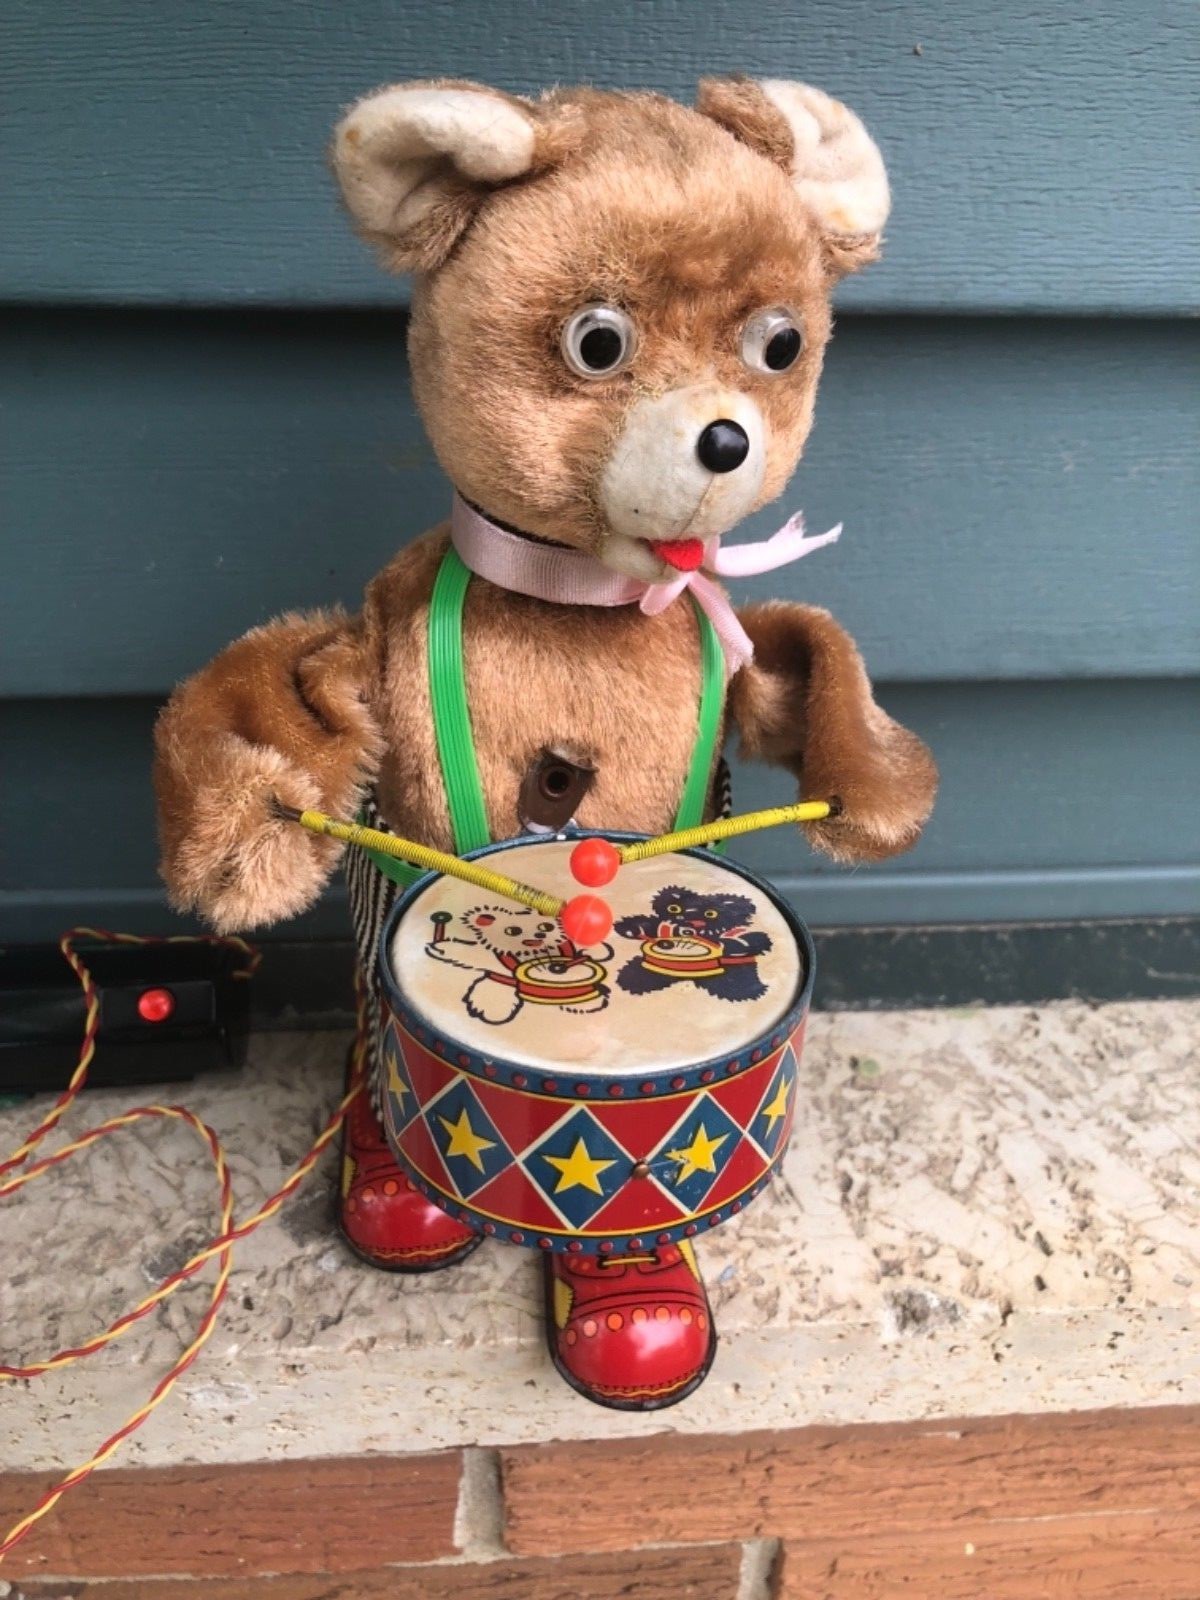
(219, 1248)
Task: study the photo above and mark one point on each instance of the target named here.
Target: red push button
(155, 1005)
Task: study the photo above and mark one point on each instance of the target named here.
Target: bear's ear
(830, 157)
(415, 161)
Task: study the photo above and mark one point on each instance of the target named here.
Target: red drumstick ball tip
(595, 862)
(587, 919)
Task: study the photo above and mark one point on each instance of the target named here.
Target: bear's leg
(633, 1331)
(383, 1216)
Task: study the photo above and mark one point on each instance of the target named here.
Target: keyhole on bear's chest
(552, 790)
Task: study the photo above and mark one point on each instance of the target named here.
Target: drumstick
(595, 861)
(724, 828)
(423, 856)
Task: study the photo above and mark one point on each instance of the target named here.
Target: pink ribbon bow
(573, 577)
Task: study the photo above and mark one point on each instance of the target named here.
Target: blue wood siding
(1019, 497)
(205, 416)
(174, 151)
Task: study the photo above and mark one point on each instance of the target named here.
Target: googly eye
(772, 340)
(674, 910)
(514, 932)
(711, 915)
(598, 340)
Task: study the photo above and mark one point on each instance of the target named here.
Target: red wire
(220, 1247)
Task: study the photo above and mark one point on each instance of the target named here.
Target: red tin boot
(383, 1218)
(633, 1332)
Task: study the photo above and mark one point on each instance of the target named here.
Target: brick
(705, 1573)
(842, 1484)
(1133, 1557)
(327, 1516)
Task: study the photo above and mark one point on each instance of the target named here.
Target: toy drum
(598, 1100)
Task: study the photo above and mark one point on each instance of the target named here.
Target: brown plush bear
(620, 312)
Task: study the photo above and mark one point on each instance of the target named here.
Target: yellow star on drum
(579, 1169)
(697, 1156)
(396, 1084)
(778, 1106)
(464, 1141)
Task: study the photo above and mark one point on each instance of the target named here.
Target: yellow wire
(726, 828)
(194, 1262)
(216, 1295)
(421, 855)
(221, 1248)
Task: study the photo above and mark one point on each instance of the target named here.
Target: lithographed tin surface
(594, 1100)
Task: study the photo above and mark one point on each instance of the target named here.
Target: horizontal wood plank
(1020, 501)
(1038, 157)
(319, 1516)
(1141, 1556)
(1028, 824)
(841, 1485)
(704, 1572)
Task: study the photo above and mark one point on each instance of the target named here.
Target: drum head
(701, 962)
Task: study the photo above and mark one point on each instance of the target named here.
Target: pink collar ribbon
(576, 578)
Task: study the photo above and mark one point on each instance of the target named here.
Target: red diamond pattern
(511, 1197)
(742, 1096)
(640, 1126)
(521, 1118)
(636, 1206)
(744, 1167)
(426, 1073)
(417, 1147)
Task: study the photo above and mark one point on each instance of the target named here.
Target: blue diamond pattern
(577, 1202)
(767, 1130)
(687, 1180)
(403, 1103)
(445, 1115)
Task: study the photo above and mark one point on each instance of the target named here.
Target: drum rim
(403, 1006)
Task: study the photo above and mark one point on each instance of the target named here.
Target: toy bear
(619, 314)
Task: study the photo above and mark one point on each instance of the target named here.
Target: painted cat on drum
(619, 315)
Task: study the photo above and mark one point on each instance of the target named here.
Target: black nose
(723, 446)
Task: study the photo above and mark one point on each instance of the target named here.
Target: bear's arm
(281, 712)
(805, 703)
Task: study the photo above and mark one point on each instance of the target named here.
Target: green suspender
(704, 751)
(451, 714)
(452, 722)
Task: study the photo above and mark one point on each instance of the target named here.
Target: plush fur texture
(280, 713)
(830, 157)
(662, 212)
(514, 215)
(805, 703)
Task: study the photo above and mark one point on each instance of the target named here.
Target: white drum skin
(726, 954)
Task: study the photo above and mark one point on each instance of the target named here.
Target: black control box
(167, 1013)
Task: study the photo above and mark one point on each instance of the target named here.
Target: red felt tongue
(685, 554)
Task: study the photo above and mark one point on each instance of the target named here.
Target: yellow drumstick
(594, 861)
(725, 828)
(421, 855)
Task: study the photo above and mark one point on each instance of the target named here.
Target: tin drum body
(598, 1100)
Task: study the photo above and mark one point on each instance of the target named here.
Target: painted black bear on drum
(705, 939)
